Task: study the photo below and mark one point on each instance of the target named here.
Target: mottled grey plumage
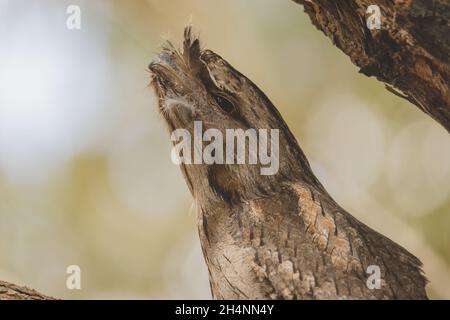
(270, 237)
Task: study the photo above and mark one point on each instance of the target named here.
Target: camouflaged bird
(277, 236)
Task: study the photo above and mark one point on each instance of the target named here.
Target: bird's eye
(225, 104)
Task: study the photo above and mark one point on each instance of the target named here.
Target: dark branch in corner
(411, 51)
(10, 291)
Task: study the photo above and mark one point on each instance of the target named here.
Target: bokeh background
(85, 170)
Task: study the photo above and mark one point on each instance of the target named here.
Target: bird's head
(197, 90)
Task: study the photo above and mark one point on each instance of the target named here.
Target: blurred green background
(85, 170)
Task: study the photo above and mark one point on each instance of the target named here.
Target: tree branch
(410, 52)
(10, 291)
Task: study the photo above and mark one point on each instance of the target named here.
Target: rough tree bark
(409, 53)
(10, 291)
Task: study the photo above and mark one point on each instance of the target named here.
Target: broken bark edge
(9, 291)
(410, 51)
